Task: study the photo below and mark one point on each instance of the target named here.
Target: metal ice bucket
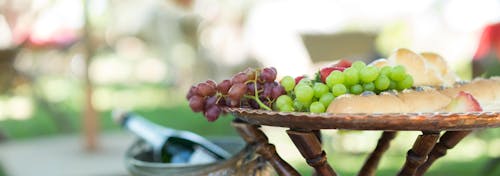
(244, 161)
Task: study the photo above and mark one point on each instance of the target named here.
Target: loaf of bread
(486, 92)
(422, 99)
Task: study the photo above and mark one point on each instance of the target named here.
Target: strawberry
(324, 72)
(343, 63)
(464, 102)
(298, 78)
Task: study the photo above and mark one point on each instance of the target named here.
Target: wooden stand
(310, 148)
(446, 142)
(253, 135)
(306, 135)
(371, 163)
(418, 154)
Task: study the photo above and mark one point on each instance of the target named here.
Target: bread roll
(438, 63)
(387, 103)
(436, 60)
(424, 101)
(423, 73)
(486, 92)
(380, 63)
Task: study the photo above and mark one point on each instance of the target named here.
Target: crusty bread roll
(423, 73)
(386, 103)
(380, 63)
(436, 60)
(438, 63)
(485, 91)
(424, 101)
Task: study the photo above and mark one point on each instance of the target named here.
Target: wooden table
(304, 131)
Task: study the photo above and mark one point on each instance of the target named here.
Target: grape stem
(262, 105)
(256, 97)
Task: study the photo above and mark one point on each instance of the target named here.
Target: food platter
(438, 121)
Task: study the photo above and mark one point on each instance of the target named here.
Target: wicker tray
(386, 122)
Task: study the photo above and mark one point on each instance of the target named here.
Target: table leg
(449, 140)
(370, 166)
(318, 135)
(253, 135)
(419, 152)
(310, 148)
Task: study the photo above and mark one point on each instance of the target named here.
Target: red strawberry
(343, 63)
(464, 102)
(298, 78)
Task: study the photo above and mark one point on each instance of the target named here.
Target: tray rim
(437, 121)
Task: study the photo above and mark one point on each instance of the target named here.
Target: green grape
(288, 83)
(305, 81)
(335, 77)
(382, 82)
(300, 106)
(369, 86)
(287, 108)
(368, 74)
(358, 65)
(351, 76)
(405, 83)
(356, 89)
(398, 73)
(304, 93)
(317, 107)
(320, 89)
(283, 100)
(326, 99)
(338, 89)
(393, 85)
(385, 70)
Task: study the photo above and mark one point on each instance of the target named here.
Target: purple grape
(239, 78)
(267, 91)
(251, 88)
(223, 101)
(205, 89)
(237, 91)
(210, 101)
(268, 74)
(196, 103)
(211, 83)
(224, 86)
(253, 104)
(192, 91)
(277, 91)
(234, 103)
(212, 113)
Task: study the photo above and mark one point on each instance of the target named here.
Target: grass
(177, 117)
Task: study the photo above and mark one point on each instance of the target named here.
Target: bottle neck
(148, 131)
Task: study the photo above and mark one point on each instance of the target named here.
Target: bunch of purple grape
(252, 88)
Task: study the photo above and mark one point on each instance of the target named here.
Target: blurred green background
(65, 65)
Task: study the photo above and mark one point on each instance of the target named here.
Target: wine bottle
(169, 145)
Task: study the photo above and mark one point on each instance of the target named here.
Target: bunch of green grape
(315, 96)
